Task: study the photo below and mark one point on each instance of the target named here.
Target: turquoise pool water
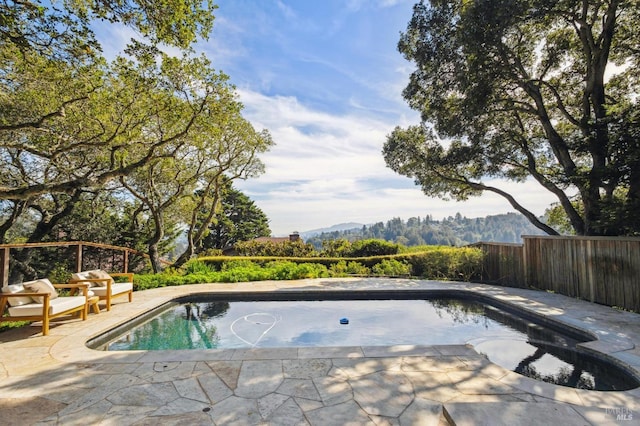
(228, 325)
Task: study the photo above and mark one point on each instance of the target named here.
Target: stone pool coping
(487, 391)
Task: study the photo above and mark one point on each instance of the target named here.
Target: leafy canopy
(522, 89)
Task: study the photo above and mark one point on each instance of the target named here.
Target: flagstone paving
(57, 380)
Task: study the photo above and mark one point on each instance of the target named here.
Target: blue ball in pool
(344, 320)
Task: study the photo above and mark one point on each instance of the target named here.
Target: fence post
(525, 261)
(126, 261)
(4, 267)
(79, 258)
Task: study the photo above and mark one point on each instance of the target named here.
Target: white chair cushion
(116, 288)
(56, 306)
(41, 286)
(16, 301)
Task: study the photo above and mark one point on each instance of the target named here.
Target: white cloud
(328, 169)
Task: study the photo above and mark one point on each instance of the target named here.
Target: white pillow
(82, 276)
(16, 301)
(99, 273)
(41, 286)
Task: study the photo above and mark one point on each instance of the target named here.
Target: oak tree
(519, 90)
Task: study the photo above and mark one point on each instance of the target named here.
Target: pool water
(507, 340)
(228, 325)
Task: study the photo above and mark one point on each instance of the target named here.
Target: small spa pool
(530, 346)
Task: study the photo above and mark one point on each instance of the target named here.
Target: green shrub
(285, 270)
(338, 269)
(238, 264)
(372, 247)
(448, 263)
(196, 266)
(335, 248)
(270, 248)
(343, 268)
(444, 263)
(391, 268)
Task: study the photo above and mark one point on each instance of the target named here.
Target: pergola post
(125, 262)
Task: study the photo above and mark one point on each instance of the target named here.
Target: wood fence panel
(603, 270)
(502, 264)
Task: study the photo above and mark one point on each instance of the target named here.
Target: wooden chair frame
(108, 283)
(45, 317)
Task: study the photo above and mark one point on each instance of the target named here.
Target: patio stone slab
(227, 371)
(345, 413)
(215, 388)
(150, 394)
(306, 368)
(180, 406)
(332, 390)
(27, 410)
(423, 412)
(270, 403)
(299, 388)
(513, 414)
(190, 388)
(383, 393)
(259, 378)
(236, 411)
(288, 414)
(191, 419)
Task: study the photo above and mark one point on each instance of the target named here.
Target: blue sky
(326, 79)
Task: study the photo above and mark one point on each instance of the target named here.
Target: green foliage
(278, 249)
(199, 272)
(5, 326)
(196, 266)
(239, 219)
(343, 268)
(391, 268)
(447, 263)
(283, 270)
(372, 247)
(518, 89)
(72, 124)
(333, 247)
(59, 274)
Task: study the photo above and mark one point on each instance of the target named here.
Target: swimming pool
(530, 346)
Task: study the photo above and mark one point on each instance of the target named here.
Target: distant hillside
(452, 231)
(340, 227)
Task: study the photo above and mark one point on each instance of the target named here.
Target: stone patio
(56, 379)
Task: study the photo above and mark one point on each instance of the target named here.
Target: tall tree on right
(527, 89)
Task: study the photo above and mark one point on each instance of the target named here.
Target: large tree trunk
(194, 236)
(154, 241)
(21, 268)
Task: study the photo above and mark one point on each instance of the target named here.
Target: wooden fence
(603, 270)
(503, 264)
(74, 255)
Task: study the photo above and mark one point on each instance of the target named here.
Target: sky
(326, 79)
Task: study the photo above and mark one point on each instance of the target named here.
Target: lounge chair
(102, 284)
(39, 301)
